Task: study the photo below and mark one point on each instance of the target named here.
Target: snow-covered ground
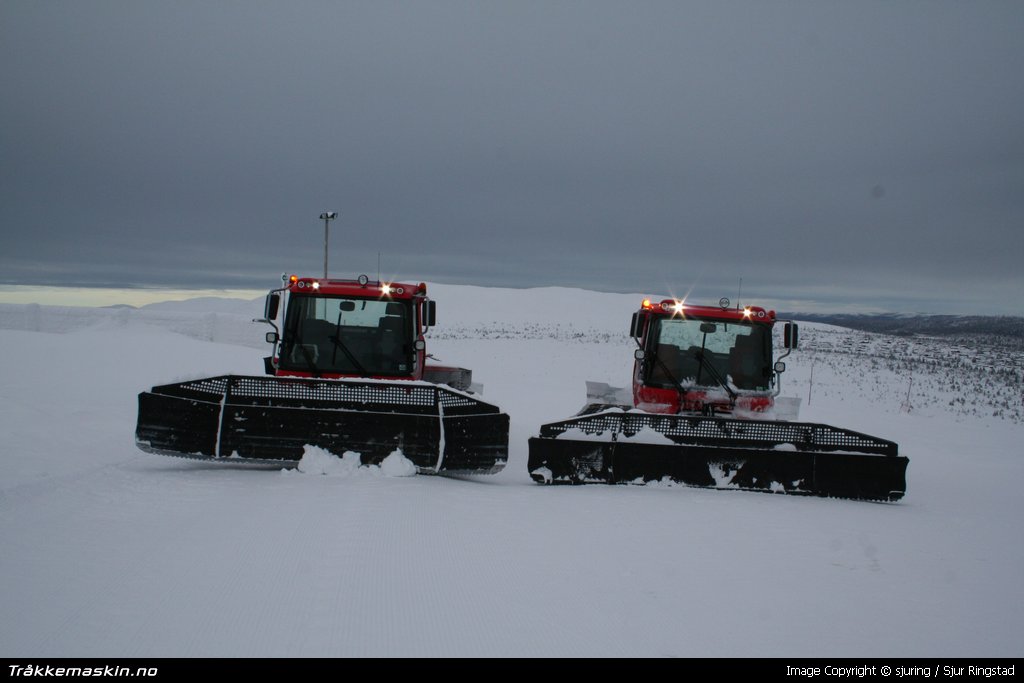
(108, 551)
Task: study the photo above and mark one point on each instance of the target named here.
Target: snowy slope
(112, 552)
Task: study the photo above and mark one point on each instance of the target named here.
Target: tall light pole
(326, 217)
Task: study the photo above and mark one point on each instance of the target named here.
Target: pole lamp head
(326, 217)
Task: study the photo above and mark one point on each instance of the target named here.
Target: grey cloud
(832, 152)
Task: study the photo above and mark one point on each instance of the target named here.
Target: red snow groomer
(348, 372)
(702, 413)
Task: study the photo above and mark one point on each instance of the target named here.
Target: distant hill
(935, 325)
(210, 304)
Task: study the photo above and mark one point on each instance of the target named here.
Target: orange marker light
(646, 303)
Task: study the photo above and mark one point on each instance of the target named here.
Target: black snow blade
(272, 419)
(618, 447)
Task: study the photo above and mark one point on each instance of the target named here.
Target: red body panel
(388, 290)
(668, 308)
(670, 402)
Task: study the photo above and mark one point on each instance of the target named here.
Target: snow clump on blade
(316, 460)
(397, 465)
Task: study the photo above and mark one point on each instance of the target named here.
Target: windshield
(741, 353)
(331, 334)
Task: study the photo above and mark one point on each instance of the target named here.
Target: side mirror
(789, 336)
(271, 306)
(708, 328)
(429, 313)
(636, 327)
(347, 306)
(271, 337)
(639, 354)
(780, 367)
(420, 345)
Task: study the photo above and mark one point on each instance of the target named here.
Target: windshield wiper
(715, 375)
(338, 344)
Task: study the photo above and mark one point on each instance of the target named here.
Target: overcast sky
(845, 155)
